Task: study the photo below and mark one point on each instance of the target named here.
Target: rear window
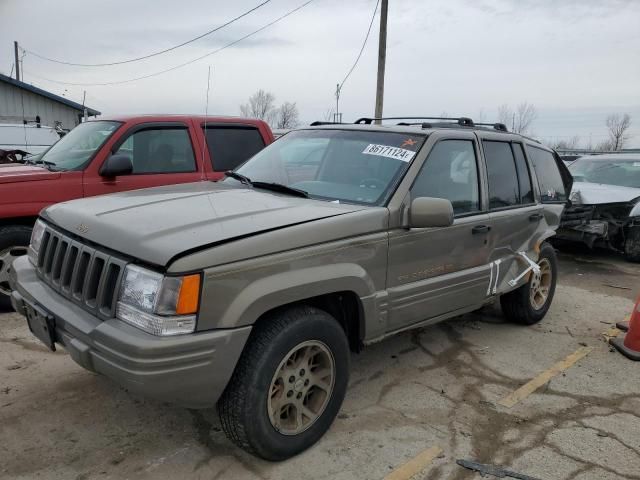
(549, 178)
(229, 146)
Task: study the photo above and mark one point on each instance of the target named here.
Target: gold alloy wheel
(301, 387)
(541, 285)
(7, 256)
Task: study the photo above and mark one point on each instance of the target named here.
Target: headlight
(158, 304)
(36, 241)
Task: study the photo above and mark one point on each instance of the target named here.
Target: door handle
(480, 229)
(535, 217)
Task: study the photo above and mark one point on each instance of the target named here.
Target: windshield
(336, 165)
(621, 172)
(74, 149)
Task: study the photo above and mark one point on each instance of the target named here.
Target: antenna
(206, 113)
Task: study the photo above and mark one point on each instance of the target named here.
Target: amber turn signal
(189, 295)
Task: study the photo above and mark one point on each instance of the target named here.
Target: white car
(29, 138)
(605, 201)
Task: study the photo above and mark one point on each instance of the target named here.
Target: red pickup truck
(116, 154)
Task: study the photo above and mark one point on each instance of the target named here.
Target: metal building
(20, 101)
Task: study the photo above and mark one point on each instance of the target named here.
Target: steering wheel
(374, 183)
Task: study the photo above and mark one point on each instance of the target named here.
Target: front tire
(529, 303)
(288, 385)
(14, 240)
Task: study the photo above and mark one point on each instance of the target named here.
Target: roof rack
(497, 126)
(320, 122)
(462, 121)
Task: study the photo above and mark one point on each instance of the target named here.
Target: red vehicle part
(164, 150)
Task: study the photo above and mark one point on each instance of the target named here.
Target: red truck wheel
(14, 241)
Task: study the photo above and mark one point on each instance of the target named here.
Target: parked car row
(250, 292)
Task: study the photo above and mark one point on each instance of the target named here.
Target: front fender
(268, 292)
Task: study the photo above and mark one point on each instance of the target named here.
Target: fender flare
(267, 293)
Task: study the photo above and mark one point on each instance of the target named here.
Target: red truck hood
(16, 172)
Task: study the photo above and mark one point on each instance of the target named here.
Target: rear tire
(529, 303)
(14, 240)
(632, 245)
(295, 366)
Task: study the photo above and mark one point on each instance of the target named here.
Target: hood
(584, 193)
(156, 224)
(18, 172)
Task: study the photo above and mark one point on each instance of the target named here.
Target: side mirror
(427, 212)
(115, 165)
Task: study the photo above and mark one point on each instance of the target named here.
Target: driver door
(161, 154)
(435, 271)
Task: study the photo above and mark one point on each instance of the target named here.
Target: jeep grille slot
(43, 248)
(79, 276)
(108, 295)
(51, 251)
(67, 270)
(58, 259)
(93, 280)
(86, 276)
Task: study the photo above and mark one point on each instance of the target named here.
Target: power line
(151, 54)
(337, 114)
(290, 12)
(375, 10)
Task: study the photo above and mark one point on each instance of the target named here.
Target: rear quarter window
(549, 179)
(232, 145)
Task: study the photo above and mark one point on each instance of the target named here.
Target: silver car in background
(605, 200)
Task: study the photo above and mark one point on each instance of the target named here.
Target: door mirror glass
(117, 164)
(428, 212)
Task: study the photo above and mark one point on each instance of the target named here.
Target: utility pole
(15, 51)
(382, 56)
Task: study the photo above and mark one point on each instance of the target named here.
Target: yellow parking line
(415, 465)
(530, 387)
(611, 333)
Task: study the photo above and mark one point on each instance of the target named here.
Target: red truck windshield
(74, 149)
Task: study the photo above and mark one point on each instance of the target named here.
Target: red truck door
(230, 144)
(162, 153)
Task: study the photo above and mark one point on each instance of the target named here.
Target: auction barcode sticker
(390, 152)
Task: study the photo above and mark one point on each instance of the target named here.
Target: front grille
(576, 215)
(85, 275)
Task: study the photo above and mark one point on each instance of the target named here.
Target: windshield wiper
(275, 187)
(279, 187)
(238, 176)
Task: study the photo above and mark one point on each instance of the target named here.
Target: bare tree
(618, 126)
(569, 144)
(287, 115)
(526, 113)
(520, 120)
(261, 105)
(604, 146)
(505, 114)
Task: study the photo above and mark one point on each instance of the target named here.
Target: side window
(450, 172)
(549, 178)
(504, 190)
(230, 146)
(160, 150)
(524, 176)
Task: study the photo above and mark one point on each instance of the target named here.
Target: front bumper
(189, 370)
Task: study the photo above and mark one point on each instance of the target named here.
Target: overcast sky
(575, 60)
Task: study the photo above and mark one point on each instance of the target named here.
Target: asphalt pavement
(550, 401)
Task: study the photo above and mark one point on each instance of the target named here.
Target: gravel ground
(434, 387)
